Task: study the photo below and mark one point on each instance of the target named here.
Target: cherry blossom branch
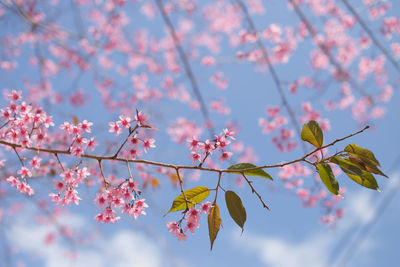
(186, 65)
(34, 25)
(204, 160)
(344, 74)
(18, 11)
(371, 35)
(273, 72)
(175, 166)
(131, 131)
(78, 19)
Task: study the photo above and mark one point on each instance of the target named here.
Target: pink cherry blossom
(149, 143)
(114, 128)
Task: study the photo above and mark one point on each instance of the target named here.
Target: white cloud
(394, 181)
(122, 249)
(316, 248)
(133, 249)
(280, 252)
(359, 207)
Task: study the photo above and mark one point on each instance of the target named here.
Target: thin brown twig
(33, 128)
(255, 192)
(216, 188)
(309, 162)
(106, 183)
(20, 159)
(129, 169)
(59, 161)
(182, 190)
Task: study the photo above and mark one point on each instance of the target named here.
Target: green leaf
(375, 170)
(366, 164)
(312, 133)
(193, 196)
(235, 208)
(346, 165)
(366, 180)
(362, 153)
(214, 223)
(356, 172)
(254, 173)
(327, 177)
(364, 158)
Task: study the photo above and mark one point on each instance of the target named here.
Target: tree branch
(186, 65)
(175, 166)
(272, 70)
(371, 35)
(326, 51)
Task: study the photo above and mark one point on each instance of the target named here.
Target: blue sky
(288, 235)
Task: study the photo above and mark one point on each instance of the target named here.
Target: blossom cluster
(192, 218)
(274, 122)
(182, 129)
(125, 197)
(201, 150)
(293, 178)
(124, 122)
(22, 186)
(24, 124)
(27, 126)
(79, 143)
(67, 192)
(135, 138)
(119, 53)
